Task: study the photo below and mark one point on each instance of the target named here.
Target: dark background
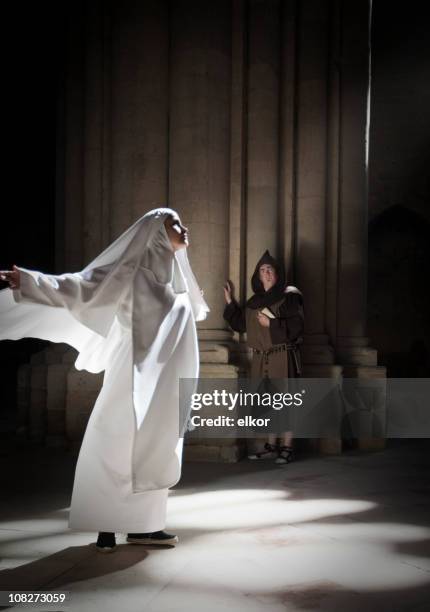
(399, 184)
(31, 51)
(399, 189)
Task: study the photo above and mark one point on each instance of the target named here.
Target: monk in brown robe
(274, 321)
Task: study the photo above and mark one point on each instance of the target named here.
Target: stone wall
(247, 116)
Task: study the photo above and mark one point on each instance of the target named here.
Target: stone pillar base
(319, 362)
(360, 362)
(214, 356)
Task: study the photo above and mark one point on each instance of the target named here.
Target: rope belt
(276, 349)
(279, 348)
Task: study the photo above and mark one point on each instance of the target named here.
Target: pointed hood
(262, 298)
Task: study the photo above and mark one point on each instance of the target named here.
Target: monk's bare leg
(286, 448)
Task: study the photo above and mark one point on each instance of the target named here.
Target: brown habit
(270, 359)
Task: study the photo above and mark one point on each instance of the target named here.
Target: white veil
(146, 243)
(96, 293)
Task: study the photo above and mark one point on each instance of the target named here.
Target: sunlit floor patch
(244, 508)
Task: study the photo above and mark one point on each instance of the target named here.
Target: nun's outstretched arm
(62, 291)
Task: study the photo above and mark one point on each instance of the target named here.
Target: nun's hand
(228, 292)
(263, 319)
(12, 277)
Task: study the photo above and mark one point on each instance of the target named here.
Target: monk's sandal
(285, 455)
(269, 452)
(161, 538)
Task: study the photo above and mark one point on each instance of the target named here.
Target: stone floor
(347, 533)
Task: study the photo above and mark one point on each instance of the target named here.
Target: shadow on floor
(70, 565)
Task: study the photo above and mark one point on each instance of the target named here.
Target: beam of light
(369, 92)
(235, 509)
(372, 532)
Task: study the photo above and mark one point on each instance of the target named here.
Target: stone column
(311, 174)
(352, 345)
(351, 341)
(305, 175)
(199, 139)
(139, 103)
(238, 164)
(262, 132)
(199, 172)
(238, 154)
(116, 148)
(150, 168)
(96, 94)
(333, 153)
(353, 173)
(287, 138)
(69, 239)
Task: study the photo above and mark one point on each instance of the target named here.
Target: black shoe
(156, 537)
(106, 542)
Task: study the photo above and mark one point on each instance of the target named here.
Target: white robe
(132, 312)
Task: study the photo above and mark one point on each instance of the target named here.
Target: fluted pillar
(238, 153)
(312, 159)
(358, 359)
(333, 172)
(262, 131)
(69, 239)
(287, 138)
(93, 161)
(351, 339)
(139, 174)
(353, 175)
(199, 142)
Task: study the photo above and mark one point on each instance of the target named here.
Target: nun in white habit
(132, 313)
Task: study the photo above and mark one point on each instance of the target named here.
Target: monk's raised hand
(228, 292)
(263, 319)
(12, 277)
